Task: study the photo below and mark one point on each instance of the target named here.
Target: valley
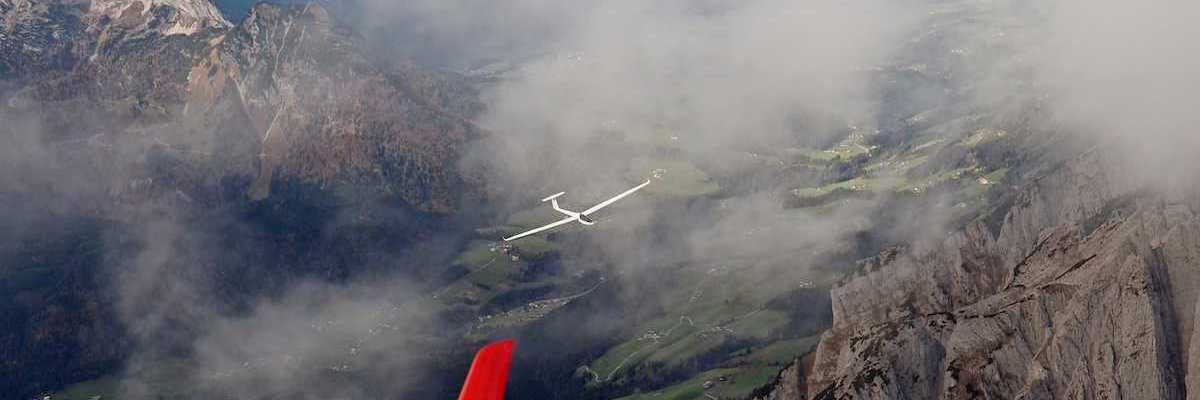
(236, 200)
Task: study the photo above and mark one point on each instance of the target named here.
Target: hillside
(230, 199)
(119, 113)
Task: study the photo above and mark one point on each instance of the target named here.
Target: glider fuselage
(572, 216)
(579, 217)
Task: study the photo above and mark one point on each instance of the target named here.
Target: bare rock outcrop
(287, 95)
(788, 384)
(1087, 290)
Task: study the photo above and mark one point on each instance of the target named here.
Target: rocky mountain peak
(264, 14)
(169, 17)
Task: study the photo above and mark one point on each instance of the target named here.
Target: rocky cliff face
(286, 95)
(37, 36)
(789, 383)
(327, 112)
(1086, 290)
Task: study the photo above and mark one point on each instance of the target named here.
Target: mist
(594, 87)
(590, 97)
(716, 83)
(709, 78)
(1125, 74)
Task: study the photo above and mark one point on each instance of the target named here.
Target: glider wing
(551, 225)
(614, 199)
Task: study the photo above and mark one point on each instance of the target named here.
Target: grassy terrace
(738, 383)
(489, 273)
(810, 156)
(777, 354)
(890, 170)
(690, 389)
(849, 149)
(704, 310)
(678, 178)
(922, 185)
(711, 309)
(489, 268)
(732, 307)
(745, 371)
(535, 247)
(983, 136)
(857, 184)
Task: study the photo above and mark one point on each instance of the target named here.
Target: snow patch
(189, 16)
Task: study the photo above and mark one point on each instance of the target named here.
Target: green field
(490, 266)
(678, 178)
(760, 324)
(857, 184)
(534, 247)
(689, 389)
(777, 354)
(983, 136)
(607, 364)
(726, 309)
(687, 347)
(477, 254)
(738, 383)
(745, 381)
(810, 156)
(847, 151)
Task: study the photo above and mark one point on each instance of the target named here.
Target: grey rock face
(287, 95)
(36, 37)
(788, 384)
(1087, 290)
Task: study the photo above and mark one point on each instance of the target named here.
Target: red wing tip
(503, 344)
(489, 372)
(503, 348)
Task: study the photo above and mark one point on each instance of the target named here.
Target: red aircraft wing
(489, 372)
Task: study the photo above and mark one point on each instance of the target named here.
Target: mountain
(217, 200)
(1085, 290)
(167, 17)
(255, 99)
(37, 37)
(1077, 280)
(118, 112)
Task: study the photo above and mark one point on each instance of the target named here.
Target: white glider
(581, 217)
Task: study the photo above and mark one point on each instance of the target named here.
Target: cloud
(1110, 73)
(299, 297)
(604, 92)
(215, 319)
(318, 341)
(1125, 73)
(714, 77)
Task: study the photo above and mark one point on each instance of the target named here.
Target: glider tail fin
(553, 199)
(489, 372)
